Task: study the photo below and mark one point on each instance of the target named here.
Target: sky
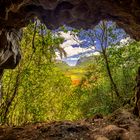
(85, 45)
(73, 49)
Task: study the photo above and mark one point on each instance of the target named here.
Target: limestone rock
(76, 13)
(15, 14)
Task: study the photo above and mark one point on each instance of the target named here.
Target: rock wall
(15, 14)
(9, 48)
(76, 13)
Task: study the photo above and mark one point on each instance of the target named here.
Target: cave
(16, 14)
(86, 14)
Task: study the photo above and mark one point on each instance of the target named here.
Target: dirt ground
(121, 125)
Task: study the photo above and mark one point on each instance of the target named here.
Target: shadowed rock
(9, 48)
(15, 14)
(76, 13)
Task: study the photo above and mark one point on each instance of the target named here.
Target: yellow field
(75, 75)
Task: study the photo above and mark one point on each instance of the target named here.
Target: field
(75, 74)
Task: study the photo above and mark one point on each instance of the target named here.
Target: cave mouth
(74, 13)
(15, 14)
(36, 68)
(86, 14)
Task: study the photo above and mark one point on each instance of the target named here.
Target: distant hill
(62, 65)
(85, 61)
(77, 72)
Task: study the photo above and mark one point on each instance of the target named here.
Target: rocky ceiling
(15, 14)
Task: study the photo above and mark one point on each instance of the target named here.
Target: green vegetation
(41, 89)
(95, 90)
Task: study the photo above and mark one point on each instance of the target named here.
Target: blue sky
(86, 43)
(74, 48)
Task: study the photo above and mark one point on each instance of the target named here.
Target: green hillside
(77, 72)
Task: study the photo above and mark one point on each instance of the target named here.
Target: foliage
(40, 88)
(95, 91)
(37, 90)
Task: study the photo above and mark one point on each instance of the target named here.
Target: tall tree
(103, 36)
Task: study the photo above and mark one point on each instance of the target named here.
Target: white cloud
(124, 42)
(92, 53)
(72, 58)
(72, 40)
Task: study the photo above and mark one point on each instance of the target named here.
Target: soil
(121, 125)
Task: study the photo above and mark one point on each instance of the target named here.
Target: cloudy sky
(84, 45)
(73, 49)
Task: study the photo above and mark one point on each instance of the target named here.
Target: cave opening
(113, 81)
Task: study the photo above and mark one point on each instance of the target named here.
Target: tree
(103, 36)
(38, 47)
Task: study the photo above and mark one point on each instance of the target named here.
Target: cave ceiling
(75, 13)
(15, 14)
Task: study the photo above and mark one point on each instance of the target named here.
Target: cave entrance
(43, 82)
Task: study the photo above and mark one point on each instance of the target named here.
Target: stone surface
(9, 48)
(15, 14)
(76, 13)
(78, 130)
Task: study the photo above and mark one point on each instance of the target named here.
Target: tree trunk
(110, 75)
(10, 100)
(137, 94)
(1, 94)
